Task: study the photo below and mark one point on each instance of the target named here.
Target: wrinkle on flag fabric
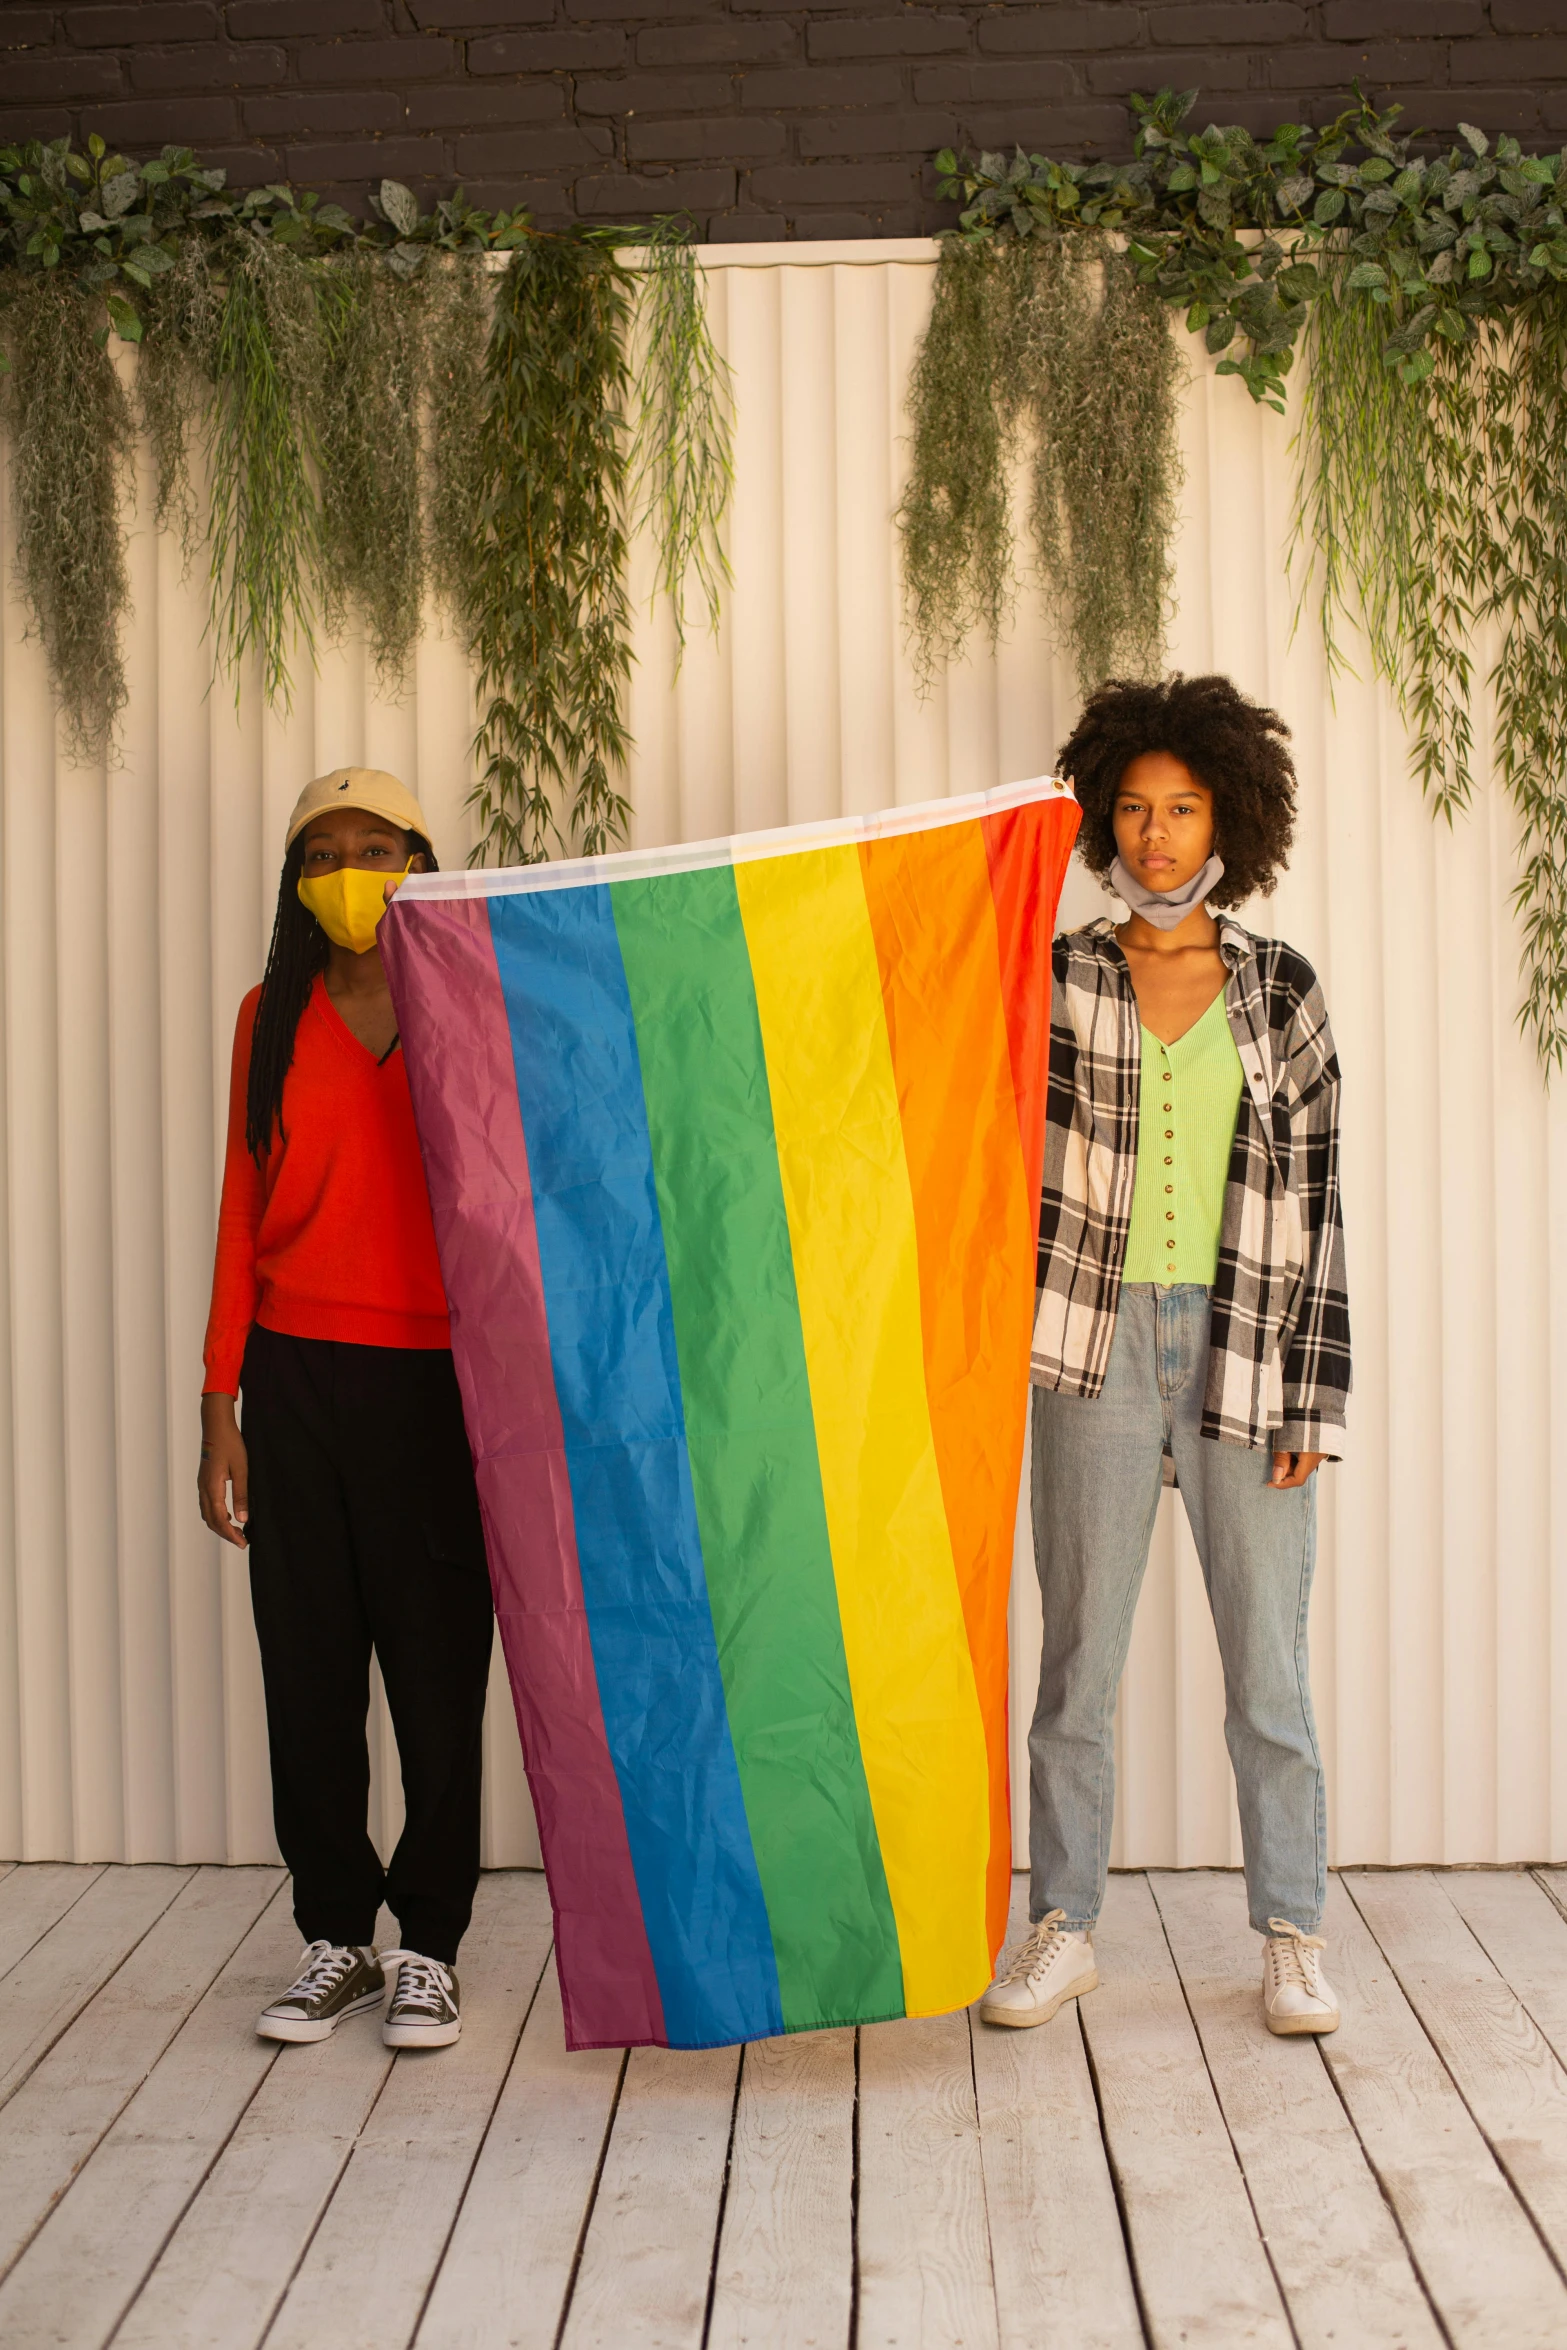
(734, 1154)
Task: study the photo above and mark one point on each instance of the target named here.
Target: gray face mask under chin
(1165, 908)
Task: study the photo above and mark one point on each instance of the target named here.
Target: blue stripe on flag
(612, 1343)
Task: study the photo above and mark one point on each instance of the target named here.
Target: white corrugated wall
(135, 911)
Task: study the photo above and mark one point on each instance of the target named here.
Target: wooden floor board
(1506, 2071)
(1482, 2262)
(178, 2184)
(35, 1897)
(647, 2257)
(1334, 2244)
(502, 2285)
(1059, 2254)
(81, 2272)
(1201, 2267)
(66, 1966)
(73, 2097)
(924, 2243)
(226, 2267)
(375, 2254)
(1525, 1936)
(785, 2259)
(1554, 1882)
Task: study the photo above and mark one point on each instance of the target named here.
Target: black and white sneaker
(422, 2010)
(335, 1979)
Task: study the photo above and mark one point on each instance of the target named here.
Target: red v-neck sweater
(332, 1238)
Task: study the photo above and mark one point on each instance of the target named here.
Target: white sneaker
(1296, 1994)
(1049, 1967)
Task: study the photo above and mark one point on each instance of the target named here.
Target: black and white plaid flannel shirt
(1278, 1364)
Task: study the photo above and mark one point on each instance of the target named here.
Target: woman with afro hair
(1192, 1316)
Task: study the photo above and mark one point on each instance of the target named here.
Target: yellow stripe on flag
(856, 1263)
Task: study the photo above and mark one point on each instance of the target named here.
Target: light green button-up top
(1190, 1096)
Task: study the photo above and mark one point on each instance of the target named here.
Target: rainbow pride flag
(734, 1153)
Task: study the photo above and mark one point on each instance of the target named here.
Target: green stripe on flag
(752, 1445)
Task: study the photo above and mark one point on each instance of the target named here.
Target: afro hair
(1232, 745)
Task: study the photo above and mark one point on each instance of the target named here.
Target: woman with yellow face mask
(351, 1486)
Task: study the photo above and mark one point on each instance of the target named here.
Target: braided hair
(298, 953)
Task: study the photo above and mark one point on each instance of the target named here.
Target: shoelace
(324, 1966)
(423, 1984)
(1037, 1949)
(1293, 1956)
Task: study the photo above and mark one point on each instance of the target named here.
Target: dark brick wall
(763, 118)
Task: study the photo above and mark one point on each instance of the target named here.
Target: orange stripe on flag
(933, 916)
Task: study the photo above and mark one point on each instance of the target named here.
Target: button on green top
(1190, 1097)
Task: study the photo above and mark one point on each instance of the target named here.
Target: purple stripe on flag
(461, 1072)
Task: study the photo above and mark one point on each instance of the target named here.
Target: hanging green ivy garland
(345, 415)
(1431, 293)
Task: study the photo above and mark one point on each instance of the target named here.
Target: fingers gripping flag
(734, 1154)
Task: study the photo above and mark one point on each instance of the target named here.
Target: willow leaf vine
(1430, 289)
(548, 600)
(347, 416)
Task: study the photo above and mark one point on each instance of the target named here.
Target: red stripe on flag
(452, 1018)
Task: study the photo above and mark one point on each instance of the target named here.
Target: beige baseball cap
(369, 788)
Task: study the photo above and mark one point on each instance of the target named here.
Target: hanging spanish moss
(173, 390)
(1105, 375)
(955, 516)
(457, 304)
(71, 431)
(344, 416)
(365, 405)
(1044, 351)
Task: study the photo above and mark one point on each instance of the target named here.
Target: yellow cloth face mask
(349, 904)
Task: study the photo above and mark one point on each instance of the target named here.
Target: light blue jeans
(1096, 1479)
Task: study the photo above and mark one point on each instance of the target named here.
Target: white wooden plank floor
(1152, 2169)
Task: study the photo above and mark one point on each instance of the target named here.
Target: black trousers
(365, 1535)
